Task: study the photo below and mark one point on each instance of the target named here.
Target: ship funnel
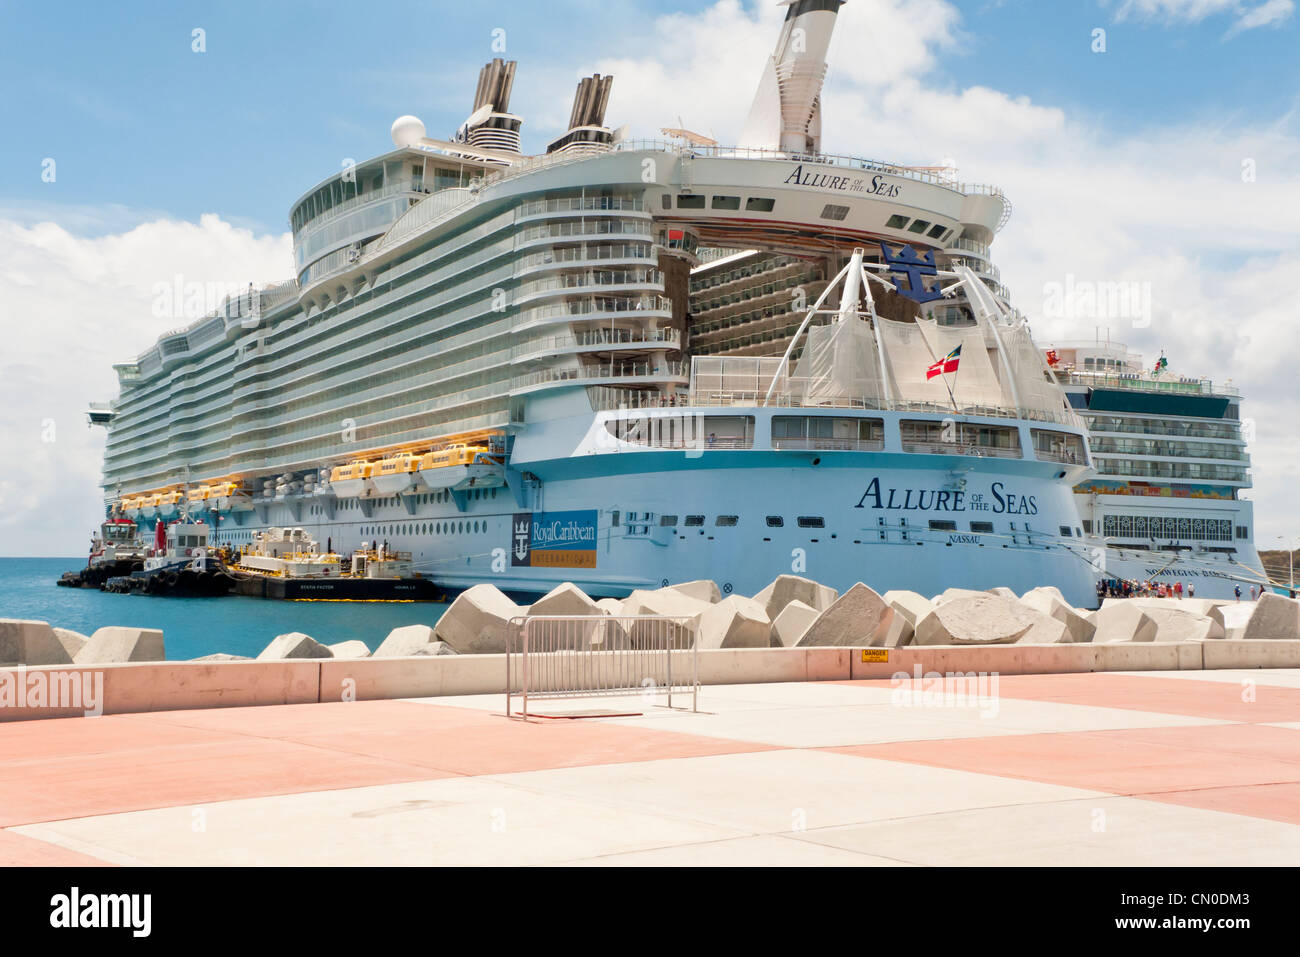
(491, 125)
(786, 114)
(587, 132)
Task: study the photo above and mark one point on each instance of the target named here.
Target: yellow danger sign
(875, 654)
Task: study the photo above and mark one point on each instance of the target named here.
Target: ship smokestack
(492, 125)
(587, 132)
(786, 114)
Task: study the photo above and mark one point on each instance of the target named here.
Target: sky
(1152, 142)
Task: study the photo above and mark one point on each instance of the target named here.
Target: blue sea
(193, 627)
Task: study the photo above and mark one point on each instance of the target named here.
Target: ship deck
(1095, 769)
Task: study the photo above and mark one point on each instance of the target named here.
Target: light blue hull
(640, 519)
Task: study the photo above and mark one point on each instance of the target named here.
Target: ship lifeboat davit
(351, 480)
(461, 466)
(169, 504)
(396, 474)
(230, 497)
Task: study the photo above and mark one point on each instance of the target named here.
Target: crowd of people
(1120, 588)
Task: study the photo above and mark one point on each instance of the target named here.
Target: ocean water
(193, 627)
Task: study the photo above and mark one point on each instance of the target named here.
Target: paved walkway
(1095, 769)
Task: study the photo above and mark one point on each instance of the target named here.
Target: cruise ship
(1171, 464)
(623, 363)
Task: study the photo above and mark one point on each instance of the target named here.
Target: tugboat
(180, 563)
(115, 550)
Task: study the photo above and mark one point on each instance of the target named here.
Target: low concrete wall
(178, 685)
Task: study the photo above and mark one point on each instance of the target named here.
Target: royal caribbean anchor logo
(554, 539)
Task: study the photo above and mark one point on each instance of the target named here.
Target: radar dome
(407, 130)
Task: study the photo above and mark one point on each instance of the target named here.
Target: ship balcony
(630, 374)
(968, 247)
(1172, 451)
(596, 309)
(958, 448)
(597, 340)
(588, 256)
(1144, 382)
(580, 205)
(589, 230)
(558, 286)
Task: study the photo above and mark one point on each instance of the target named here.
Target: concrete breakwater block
(565, 599)
(909, 608)
(406, 642)
(1236, 615)
(293, 645)
(984, 619)
(701, 590)
(858, 618)
(1162, 609)
(411, 641)
(478, 621)
(72, 641)
(117, 644)
(790, 625)
(787, 588)
(1048, 601)
(1274, 617)
(735, 622)
(568, 600)
(664, 603)
(949, 594)
(30, 643)
(349, 649)
(1122, 621)
(222, 656)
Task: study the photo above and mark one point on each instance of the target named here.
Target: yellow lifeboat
(456, 454)
(351, 472)
(350, 481)
(197, 495)
(394, 473)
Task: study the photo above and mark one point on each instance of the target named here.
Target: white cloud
(70, 307)
(1266, 14)
(1248, 16)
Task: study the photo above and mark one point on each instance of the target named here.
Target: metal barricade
(597, 656)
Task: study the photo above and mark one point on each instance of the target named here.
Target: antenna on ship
(786, 113)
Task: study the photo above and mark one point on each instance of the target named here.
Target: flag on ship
(945, 365)
(1161, 364)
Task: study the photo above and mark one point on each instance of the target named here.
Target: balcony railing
(631, 370)
(830, 445)
(1144, 382)
(598, 339)
(957, 448)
